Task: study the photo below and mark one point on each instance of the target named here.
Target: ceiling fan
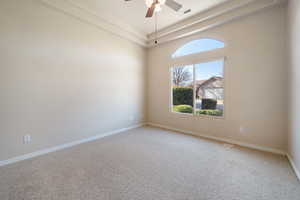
(155, 6)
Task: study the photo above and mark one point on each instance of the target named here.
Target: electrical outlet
(26, 139)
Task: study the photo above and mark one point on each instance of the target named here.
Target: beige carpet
(151, 164)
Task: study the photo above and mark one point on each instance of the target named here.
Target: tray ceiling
(132, 14)
(127, 19)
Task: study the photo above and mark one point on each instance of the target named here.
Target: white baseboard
(71, 144)
(64, 146)
(252, 146)
(297, 172)
(67, 145)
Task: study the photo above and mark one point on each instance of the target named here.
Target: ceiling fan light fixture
(157, 8)
(154, 6)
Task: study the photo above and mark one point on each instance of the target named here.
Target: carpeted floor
(151, 164)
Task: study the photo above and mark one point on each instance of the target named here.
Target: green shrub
(210, 112)
(183, 96)
(209, 104)
(183, 109)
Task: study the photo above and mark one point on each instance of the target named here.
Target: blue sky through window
(204, 71)
(198, 46)
(207, 70)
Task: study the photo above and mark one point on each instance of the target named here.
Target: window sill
(199, 116)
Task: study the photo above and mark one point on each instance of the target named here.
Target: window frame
(202, 38)
(194, 59)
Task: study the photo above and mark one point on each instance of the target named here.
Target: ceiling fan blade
(173, 5)
(150, 11)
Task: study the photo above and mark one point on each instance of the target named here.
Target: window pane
(198, 46)
(182, 89)
(209, 81)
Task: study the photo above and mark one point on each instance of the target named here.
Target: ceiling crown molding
(70, 8)
(211, 18)
(215, 16)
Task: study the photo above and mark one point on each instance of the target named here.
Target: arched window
(198, 82)
(198, 46)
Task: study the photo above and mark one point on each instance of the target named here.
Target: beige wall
(256, 82)
(62, 80)
(294, 51)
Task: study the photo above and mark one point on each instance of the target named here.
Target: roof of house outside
(215, 82)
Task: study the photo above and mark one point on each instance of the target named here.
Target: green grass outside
(189, 109)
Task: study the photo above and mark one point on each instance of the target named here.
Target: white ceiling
(132, 14)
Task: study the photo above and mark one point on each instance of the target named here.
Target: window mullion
(194, 90)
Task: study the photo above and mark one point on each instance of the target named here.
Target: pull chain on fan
(156, 28)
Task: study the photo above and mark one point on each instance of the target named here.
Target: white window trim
(198, 59)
